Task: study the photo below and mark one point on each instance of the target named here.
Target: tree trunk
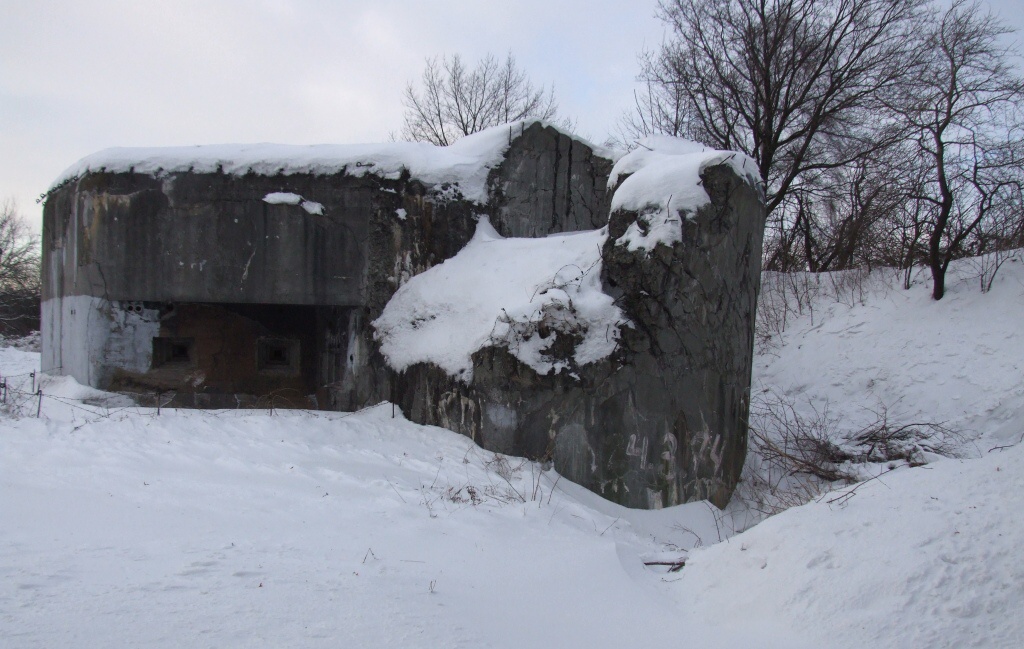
(938, 279)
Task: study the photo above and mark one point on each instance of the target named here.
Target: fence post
(39, 408)
(33, 380)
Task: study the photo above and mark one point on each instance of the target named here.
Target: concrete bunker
(252, 276)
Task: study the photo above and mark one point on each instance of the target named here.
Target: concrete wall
(548, 183)
(89, 338)
(208, 238)
(121, 239)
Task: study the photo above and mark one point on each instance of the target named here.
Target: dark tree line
(886, 131)
(20, 284)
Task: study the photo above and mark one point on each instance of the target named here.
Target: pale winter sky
(80, 76)
(76, 77)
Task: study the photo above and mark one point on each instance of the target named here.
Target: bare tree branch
(453, 101)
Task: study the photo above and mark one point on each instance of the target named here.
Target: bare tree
(842, 214)
(659, 108)
(1000, 235)
(801, 86)
(795, 84)
(965, 112)
(19, 272)
(453, 100)
(901, 240)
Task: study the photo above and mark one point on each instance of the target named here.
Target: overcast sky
(80, 76)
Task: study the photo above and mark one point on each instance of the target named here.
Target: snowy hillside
(864, 342)
(122, 527)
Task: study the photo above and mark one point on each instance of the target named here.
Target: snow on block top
(465, 163)
(288, 198)
(660, 180)
(517, 293)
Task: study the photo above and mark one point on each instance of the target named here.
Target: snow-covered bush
(799, 451)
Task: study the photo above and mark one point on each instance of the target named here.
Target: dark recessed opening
(278, 354)
(172, 351)
(179, 353)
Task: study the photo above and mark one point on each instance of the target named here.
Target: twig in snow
(552, 492)
(609, 527)
(849, 493)
(674, 566)
(999, 448)
(396, 490)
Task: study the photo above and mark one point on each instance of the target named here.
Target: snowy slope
(865, 343)
(926, 557)
(238, 529)
(122, 528)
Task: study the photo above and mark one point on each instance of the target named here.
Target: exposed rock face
(189, 281)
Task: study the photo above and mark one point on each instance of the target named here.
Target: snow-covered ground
(120, 527)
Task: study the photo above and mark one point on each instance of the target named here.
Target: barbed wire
(16, 401)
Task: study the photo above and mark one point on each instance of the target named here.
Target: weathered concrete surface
(209, 238)
(663, 421)
(548, 183)
(690, 351)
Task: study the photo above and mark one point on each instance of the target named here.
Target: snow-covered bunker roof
(465, 163)
(663, 169)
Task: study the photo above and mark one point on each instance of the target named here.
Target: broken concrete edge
(660, 421)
